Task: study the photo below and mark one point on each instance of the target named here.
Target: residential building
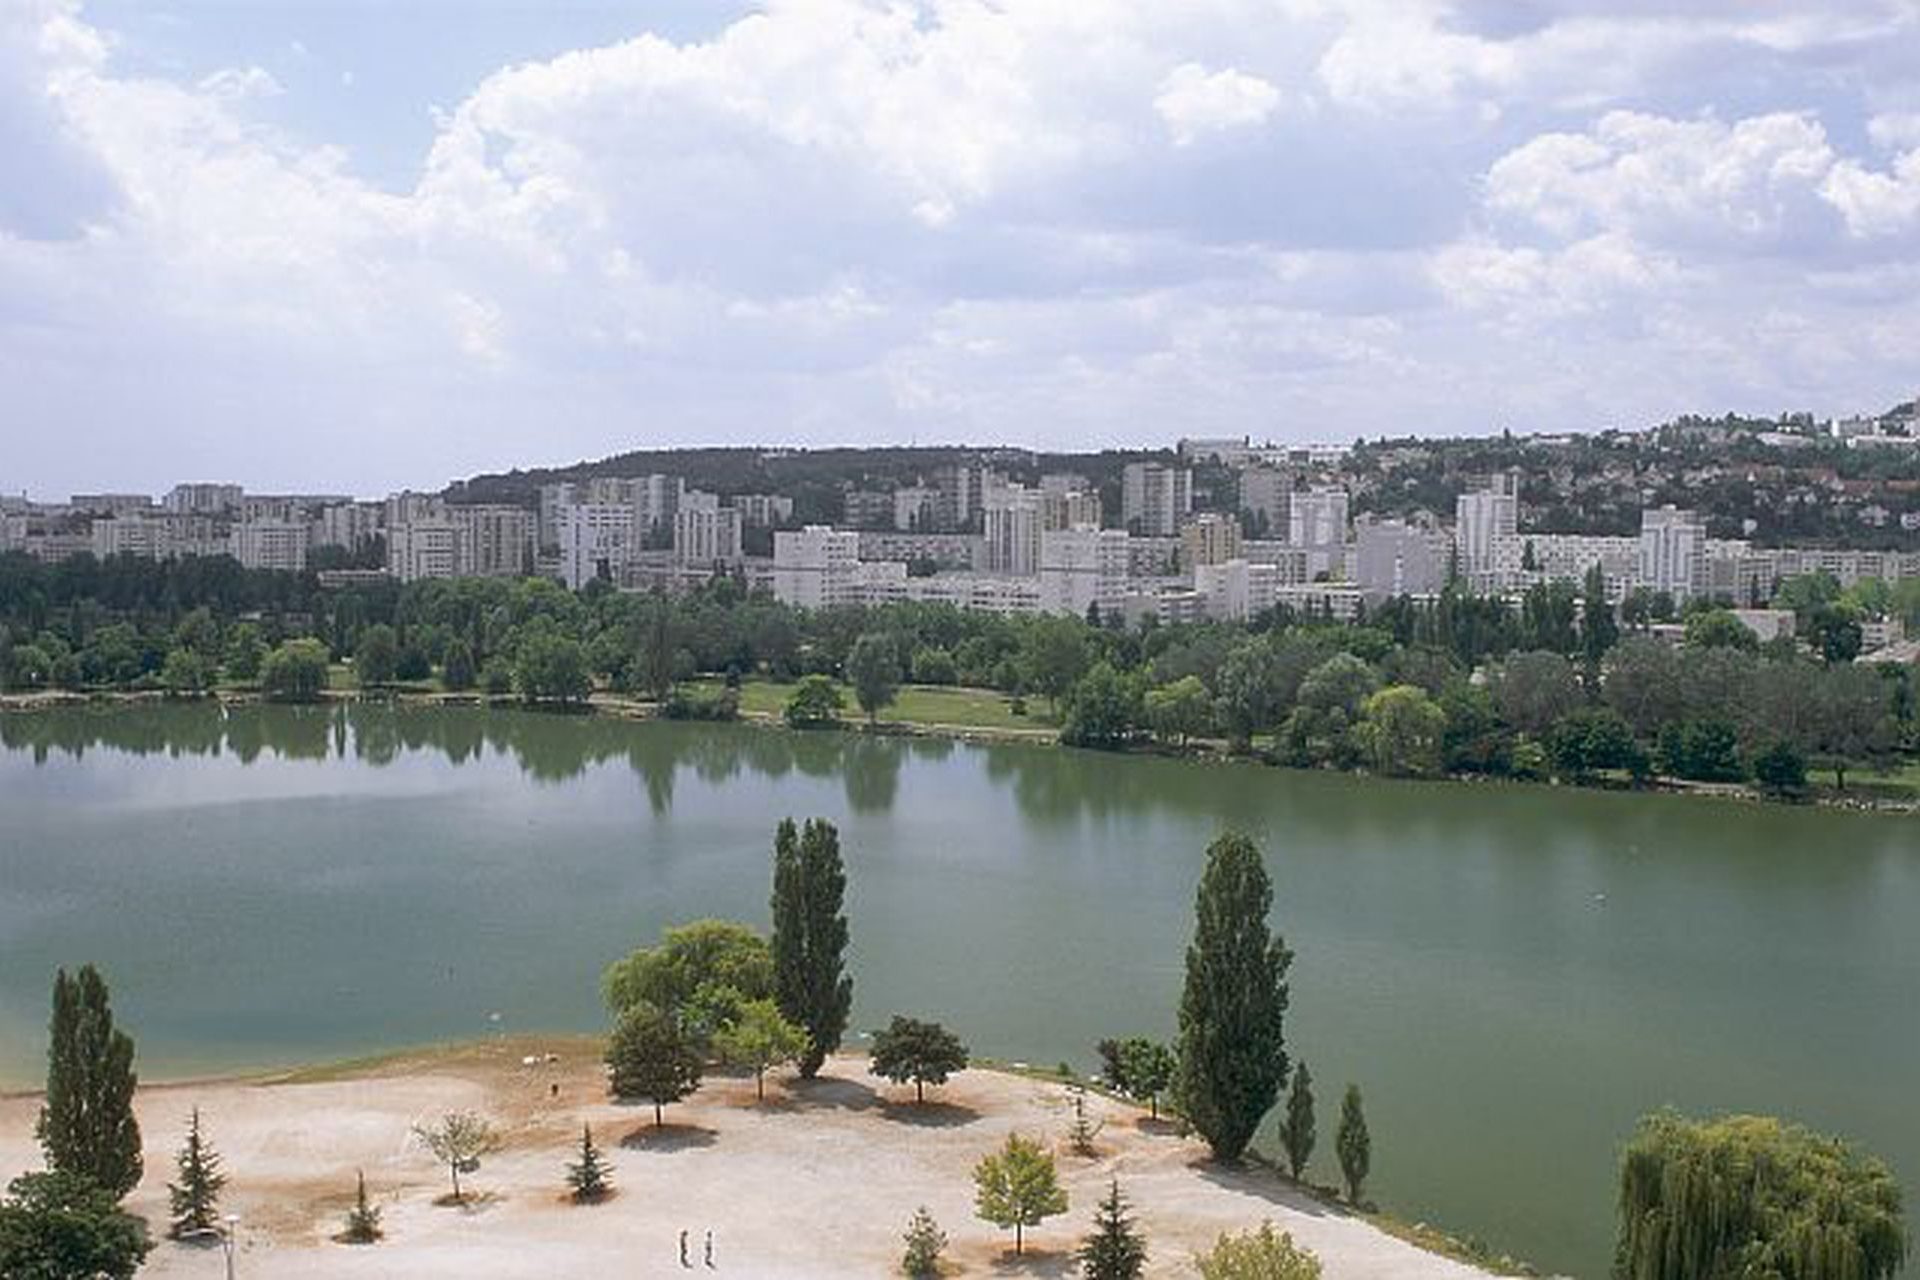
(111, 505)
(495, 540)
(915, 508)
(817, 567)
(706, 535)
(1266, 494)
(271, 544)
(353, 525)
(1673, 552)
(1229, 451)
(1066, 508)
(1236, 590)
(1081, 568)
(1317, 525)
(762, 510)
(1487, 511)
(1013, 524)
(425, 548)
(596, 540)
(147, 536)
(868, 509)
(1211, 538)
(946, 550)
(1394, 558)
(1155, 498)
(202, 499)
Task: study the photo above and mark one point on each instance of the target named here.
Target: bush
(934, 666)
(816, 703)
(295, 672)
(1258, 1255)
(702, 703)
(1780, 771)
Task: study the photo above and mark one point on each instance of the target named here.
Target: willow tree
(1233, 1059)
(1751, 1196)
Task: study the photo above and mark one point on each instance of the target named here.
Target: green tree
(1053, 656)
(923, 1052)
(925, 1243)
(873, 669)
(1104, 710)
(1591, 739)
(1644, 682)
(1533, 690)
(1780, 771)
(1248, 685)
(194, 1201)
(185, 674)
(934, 665)
(550, 667)
(1720, 629)
(1017, 1187)
(816, 702)
(1179, 711)
(1852, 720)
(1296, 1127)
(1751, 1196)
(1148, 1069)
(62, 1226)
(457, 671)
(87, 1125)
(810, 936)
(1353, 1144)
(652, 1057)
(1232, 1052)
(376, 655)
(1598, 629)
(1258, 1255)
(759, 1039)
(1403, 731)
(1115, 1249)
(590, 1178)
(245, 652)
(363, 1220)
(458, 1142)
(702, 955)
(1702, 751)
(296, 671)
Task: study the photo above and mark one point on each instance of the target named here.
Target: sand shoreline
(817, 1181)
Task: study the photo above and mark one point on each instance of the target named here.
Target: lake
(1512, 974)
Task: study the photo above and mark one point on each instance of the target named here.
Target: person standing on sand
(709, 1248)
(684, 1260)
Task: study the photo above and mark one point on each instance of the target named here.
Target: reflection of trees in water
(871, 769)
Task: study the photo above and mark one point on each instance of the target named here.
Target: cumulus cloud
(1066, 222)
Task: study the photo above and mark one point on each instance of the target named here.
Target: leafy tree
(923, 1052)
(1598, 630)
(1017, 1187)
(363, 1220)
(1591, 739)
(29, 668)
(1534, 690)
(934, 665)
(873, 669)
(1835, 631)
(1702, 750)
(1475, 740)
(1353, 1144)
(1644, 682)
(1115, 1249)
(63, 1226)
(925, 1243)
(816, 702)
(376, 656)
(760, 1038)
(589, 1178)
(1258, 1255)
(185, 674)
(552, 668)
(457, 667)
(458, 1142)
(1247, 685)
(1148, 1070)
(1780, 771)
(810, 936)
(1179, 711)
(1403, 731)
(1852, 719)
(87, 1126)
(1296, 1128)
(652, 1057)
(1053, 656)
(1751, 1196)
(700, 955)
(296, 671)
(1104, 711)
(1720, 629)
(1232, 1052)
(245, 652)
(194, 1201)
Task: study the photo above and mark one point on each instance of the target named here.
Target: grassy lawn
(916, 704)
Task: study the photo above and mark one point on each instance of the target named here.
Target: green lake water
(1512, 974)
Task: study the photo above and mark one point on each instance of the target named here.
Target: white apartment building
(1230, 451)
(1065, 508)
(495, 540)
(915, 508)
(202, 499)
(706, 535)
(986, 592)
(1083, 567)
(271, 544)
(349, 524)
(424, 548)
(1673, 552)
(1317, 525)
(1522, 560)
(1155, 499)
(1237, 590)
(1394, 558)
(596, 540)
(1482, 516)
(969, 549)
(1013, 523)
(146, 536)
(1267, 493)
(817, 567)
(762, 510)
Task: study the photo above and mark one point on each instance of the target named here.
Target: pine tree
(1115, 1250)
(1232, 1053)
(195, 1200)
(1296, 1130)
(1353, 1143)
(1082, 1132)
(87, 1126)
(590, 1177)
(363, 1220)
(810, 936)
(925, 1243)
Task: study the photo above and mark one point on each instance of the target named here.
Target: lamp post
(229, 1238)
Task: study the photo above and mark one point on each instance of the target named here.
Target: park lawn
(915, 704)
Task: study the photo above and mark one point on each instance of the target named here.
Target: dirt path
(817, 1182)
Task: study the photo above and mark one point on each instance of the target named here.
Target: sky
(347, 246)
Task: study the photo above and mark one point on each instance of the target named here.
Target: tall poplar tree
(1233, 1058)
(1296, 1130)
(810, 936)
(87, 1125)
(1354, 1144)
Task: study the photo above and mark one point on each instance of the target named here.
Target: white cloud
(1194, 101)
(240, 82)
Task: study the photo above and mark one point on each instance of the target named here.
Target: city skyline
(294, 246)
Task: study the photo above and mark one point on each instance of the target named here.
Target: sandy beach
(817, 1181)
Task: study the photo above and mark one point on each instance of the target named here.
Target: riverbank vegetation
(1561, 688)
